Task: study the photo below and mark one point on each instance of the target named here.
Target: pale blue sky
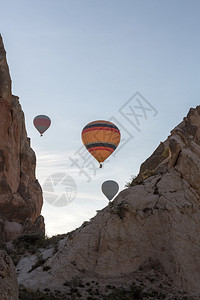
(79, 61)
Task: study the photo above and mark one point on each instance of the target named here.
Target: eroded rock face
(8, 278)
(5, 81)
(20, 192)
(157, 218)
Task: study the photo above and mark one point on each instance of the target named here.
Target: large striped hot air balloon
(42, 123)
(100, 138)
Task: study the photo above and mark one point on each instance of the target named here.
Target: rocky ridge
(20, 193)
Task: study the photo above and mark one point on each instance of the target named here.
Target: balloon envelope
(100, 138)
(110, 188)
(42, 123)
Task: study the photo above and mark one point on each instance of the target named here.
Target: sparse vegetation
(74, 282)
(147, 173)
(135, 181)
(121, 210)
(38, 264)
(144, 288)
(129, 183)
(165, 152)
(137, 290)
(118, 294)
(29, 294)
(31, 243)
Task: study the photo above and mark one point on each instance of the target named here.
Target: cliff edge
(20, 193)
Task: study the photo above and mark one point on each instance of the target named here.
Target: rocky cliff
(20, 192)
(156, 219)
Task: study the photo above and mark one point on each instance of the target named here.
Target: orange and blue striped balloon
(100, 138)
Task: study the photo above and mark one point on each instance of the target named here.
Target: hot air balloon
(100, 138)
(42, 123)
(110, 188)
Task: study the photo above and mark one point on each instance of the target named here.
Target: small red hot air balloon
(41, 123)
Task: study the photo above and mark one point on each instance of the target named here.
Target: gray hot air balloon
(110, 188)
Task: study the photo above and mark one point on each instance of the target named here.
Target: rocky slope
(157, 218)
(20, 192)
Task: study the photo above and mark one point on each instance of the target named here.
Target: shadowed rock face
(5, 81)
(157, 218)
(8, 278)
(20, 192)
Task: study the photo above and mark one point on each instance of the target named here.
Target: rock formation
(8, 278)
(152, 227)
(20, 193)
(157, 218)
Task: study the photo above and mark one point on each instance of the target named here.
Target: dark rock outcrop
(20, 192)
(8, 278)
